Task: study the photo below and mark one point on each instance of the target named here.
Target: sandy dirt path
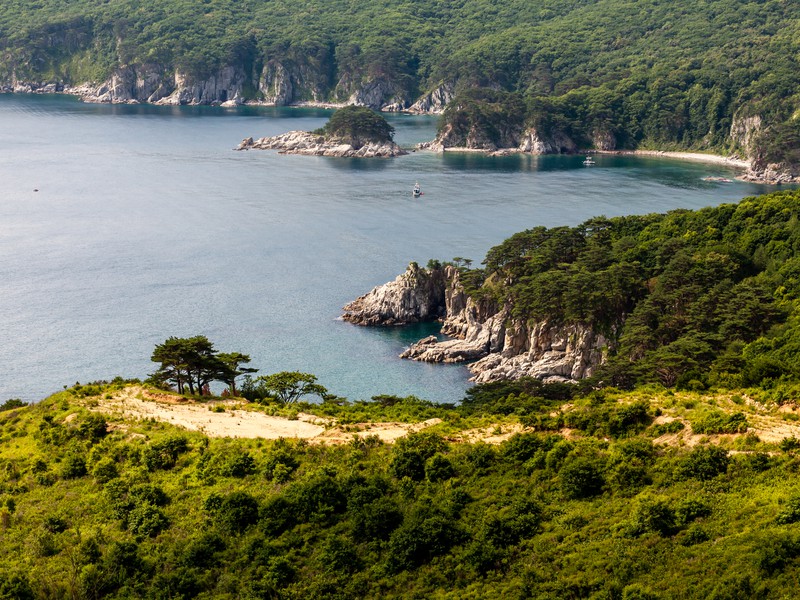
(236, 422)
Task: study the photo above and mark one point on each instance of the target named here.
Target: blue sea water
(146, 224)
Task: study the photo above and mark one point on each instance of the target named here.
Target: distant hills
(720, 76)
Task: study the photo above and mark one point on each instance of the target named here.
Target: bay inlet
(146, 224)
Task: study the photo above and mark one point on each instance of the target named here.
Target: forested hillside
(719, 75)
(93, 505)
(688, 298)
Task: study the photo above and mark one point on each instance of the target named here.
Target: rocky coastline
(414, 296)
(281, 86)
(311, 144)
(497, 346)
(531, 140)
(276, 85)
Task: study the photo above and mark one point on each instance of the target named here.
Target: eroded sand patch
(236, 422)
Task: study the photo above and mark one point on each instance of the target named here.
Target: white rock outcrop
(311, 144)
(416, 295)
(502, 347)
(434, 101)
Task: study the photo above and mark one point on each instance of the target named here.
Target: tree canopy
(192, 364)
(709, 296)
(358, 125)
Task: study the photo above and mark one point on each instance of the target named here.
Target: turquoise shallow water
(146, 224)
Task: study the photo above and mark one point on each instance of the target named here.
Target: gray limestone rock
(311, 144)
(416, 295)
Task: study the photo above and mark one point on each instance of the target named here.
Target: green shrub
(719, 422)
(776, 551)
(93, 428)
(581, 477)
(237, 512)
(15, 587)
(280, 462)
(690, 509)
(507, 526)
(790, 512)
(653, 514)
(105, 470)
(439, 468)
(338, 555)
(425, 535)
(147, 520)
(376, 520)
(55, 524)
(12, 403)
(164, 454)
(410, 453)
(200, 551)
(704, 462)
(664, 428)
(73, 466)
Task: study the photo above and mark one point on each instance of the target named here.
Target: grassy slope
(632, 533)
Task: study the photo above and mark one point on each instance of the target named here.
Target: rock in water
(416, 295)
(305, 142)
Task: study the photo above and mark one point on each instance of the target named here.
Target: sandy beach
(694, 156)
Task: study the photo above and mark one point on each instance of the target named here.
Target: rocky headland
(501, 346)
(311, 144)
(414, 296)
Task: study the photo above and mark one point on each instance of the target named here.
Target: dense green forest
(607, 72)
(96, 506)
(689, 298)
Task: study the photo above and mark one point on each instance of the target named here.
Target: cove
(147, 224)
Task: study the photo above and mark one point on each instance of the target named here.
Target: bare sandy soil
(235, 421)
(770, 425)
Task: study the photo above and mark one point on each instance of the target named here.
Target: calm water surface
(146, 225)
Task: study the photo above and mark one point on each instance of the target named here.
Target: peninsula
(678, 297)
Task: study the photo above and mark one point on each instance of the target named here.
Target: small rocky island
(352, 131)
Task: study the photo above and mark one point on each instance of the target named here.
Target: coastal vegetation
(688, 298)
(681, 485)
(357, 125)
(626, 502)
(718, 76)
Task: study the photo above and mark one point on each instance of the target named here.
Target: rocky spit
(500, 346)
(311, 144)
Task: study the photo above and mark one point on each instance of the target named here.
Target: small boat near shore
(416, 191)
(588, 162)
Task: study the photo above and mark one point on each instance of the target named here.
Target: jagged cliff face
(277, 82)
(744, 134)
(157, 85)
(534, 142)
(285, 82)
(744, 130)
(435, 101)
(416, 295)
(502, 347)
